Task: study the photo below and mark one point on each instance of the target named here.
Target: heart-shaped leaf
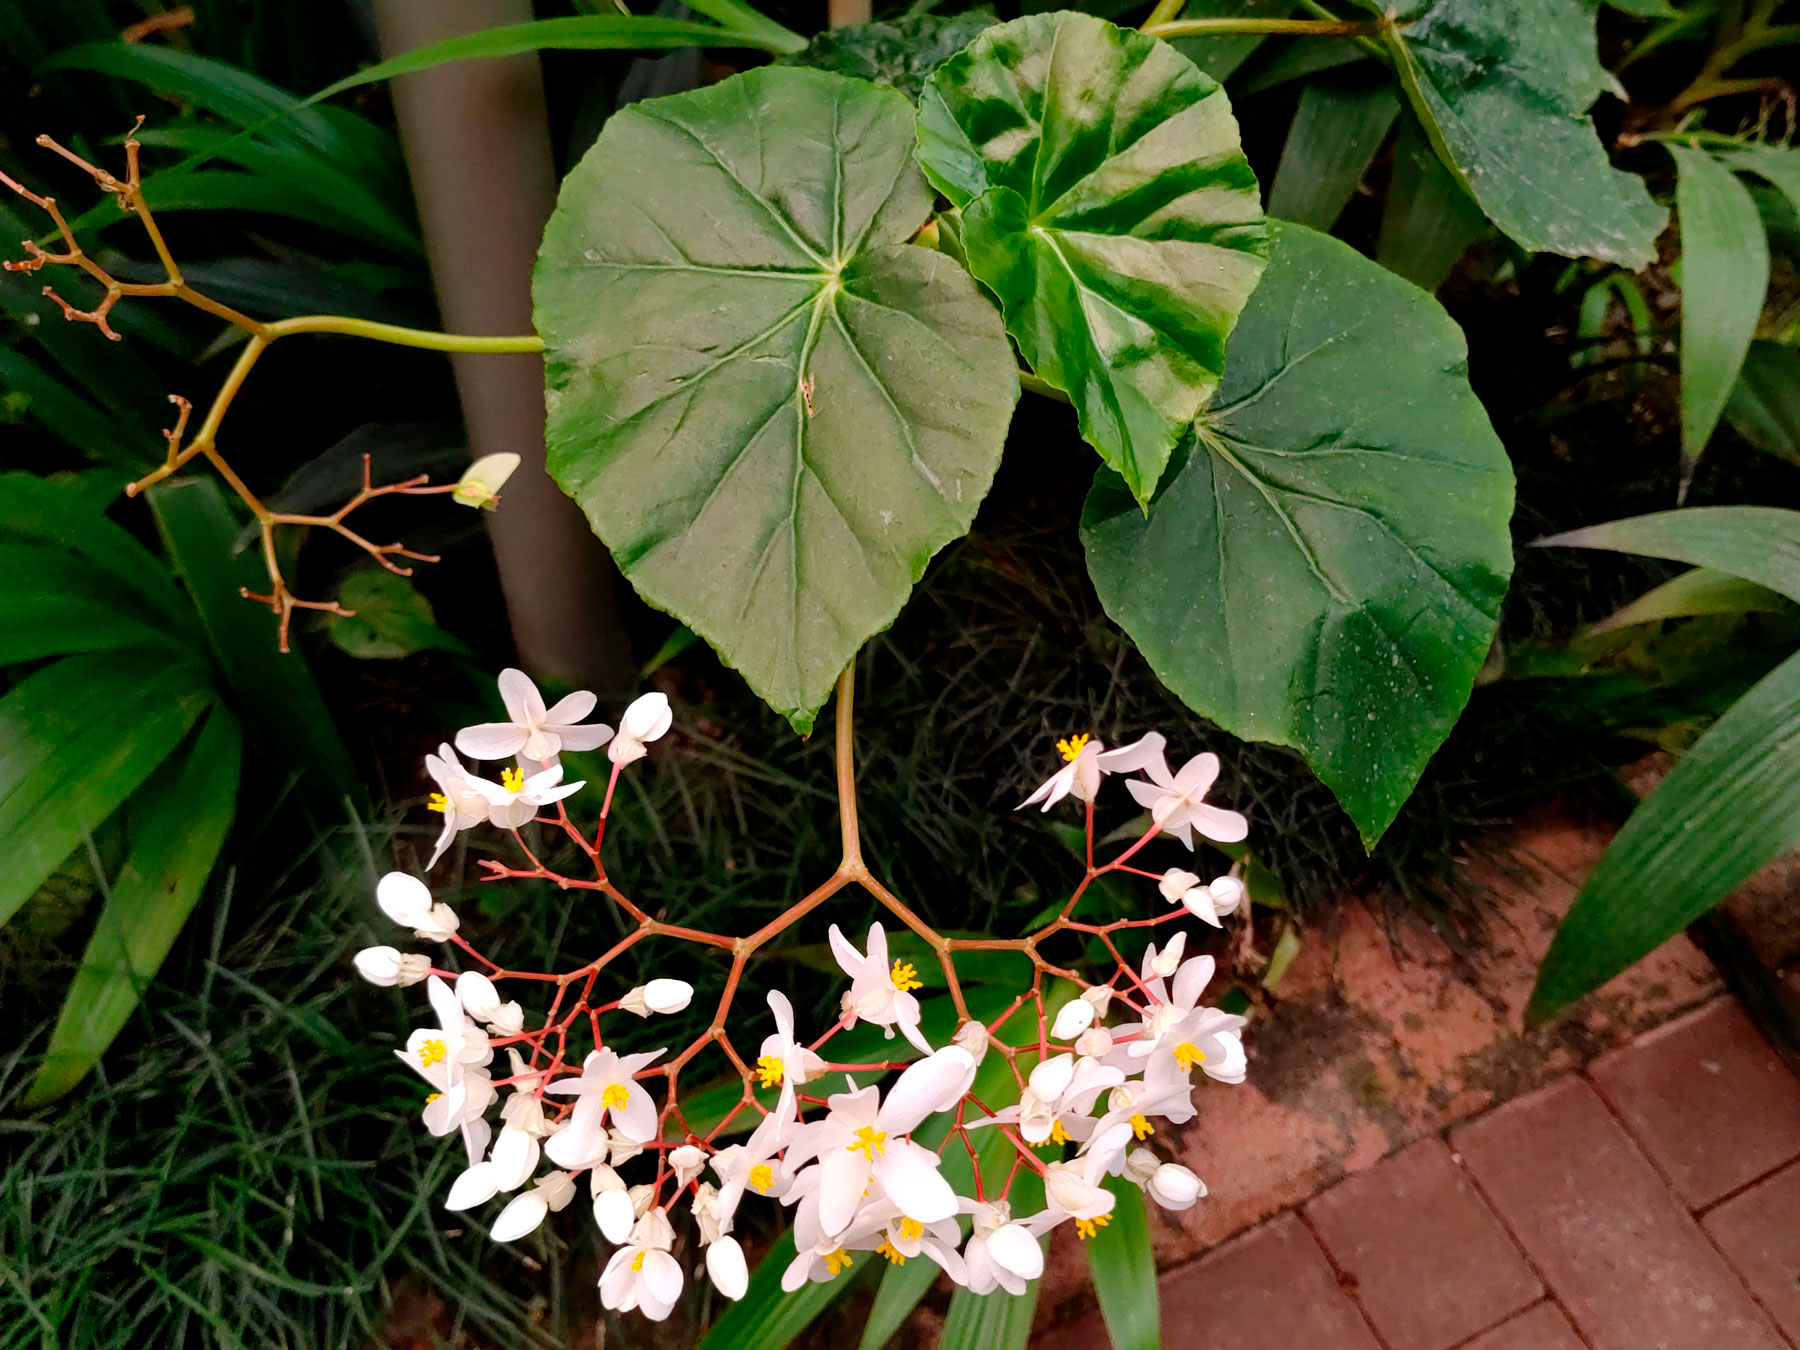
(1502, 88)
(1323, 565)
(1106, 201)
(772, 409)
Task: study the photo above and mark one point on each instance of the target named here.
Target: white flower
(527, 1211)
(642, 1274)
(523, 1108)
(624, 1149)
(406, 901)
(531, 730)
(1208, 903)
(781, 1058)
(751, 1165)
(687, 1163)
(1174, 1187)
(725, 1267)
(1000, 1253)
(515, 799)
(1177, 801)
(1085, 761)
(1075, 1017)
(481, 482)
(903, 1238)
(644, 721)
(462, 805)
(449, 1057)
(862, 1142)
(1163, 963)
(879, 993)
(613, 1210)
(1073, 1189)
(659, 996)
(388, 967)
(1095, 1043)
(1178, 1033)
(509, 1166)
(605, 1087)
(1060, 1089)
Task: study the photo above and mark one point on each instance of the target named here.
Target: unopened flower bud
(726, 1267)
(990, 1215)
(645, 720)
(1073, 1018)
(1174, 1187)
(387, 967)
(652, 1229)
(477, 994)
(1177, 882)
(1099, 997)
(406, 901)
(687, 1161)
(624, 1148)
(481, 482)
(613, 1213)
(508, 1019)
(705, 1207)
(973, 1037)
(666, 996)
(558, 1188)
(1141, 1165)
(1095, 1043)
(641, 1196)
(1227, 894)
(1166, 961)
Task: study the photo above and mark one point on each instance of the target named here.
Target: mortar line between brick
(1348, 1285)
(1518, 1243)
(1515, 1313)
(1682, 1205)
(1752, 1184)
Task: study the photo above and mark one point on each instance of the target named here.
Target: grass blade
(1757, 543)
(1336, 132)
(1428, 219)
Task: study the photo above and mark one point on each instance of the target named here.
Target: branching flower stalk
(847, 1162)
(203, 443)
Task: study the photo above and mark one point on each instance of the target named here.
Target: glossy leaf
(1336, 132)
(1693, 593)
(766, 1318)
(68, 415)
(1779, 165)
(1427, 220)
(1730, 805)
(1107, 203)
(1764, 408)
(1502, 90)
(1123, 1264)
(1758, 543)
(772, 409)
(37, 511)
(176, 828)
(57, 602)
(899, 54)
(1724, 277)
(1325, 562)
(77, 737)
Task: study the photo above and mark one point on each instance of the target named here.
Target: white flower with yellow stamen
(642, 1274)
(531, 730)
(1060, 1090)
(1075, 1189)
(1177, 1033)
(1086, 761)
(1000, 1253)
(449, 1057)
(461, 803)
(606, 1087)
(781, 1057)
(880, 990)
(752, 1165)
(515, 799)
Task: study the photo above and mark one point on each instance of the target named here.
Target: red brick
(1759, 1232)
(1541, 1328)
(1710, 1102)
(1271, 1289)
(1432, 1265)
(1621, 1255)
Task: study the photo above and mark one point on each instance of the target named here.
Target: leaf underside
(1324, 563)
(771, 408)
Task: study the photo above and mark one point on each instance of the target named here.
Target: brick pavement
(1650, 1201)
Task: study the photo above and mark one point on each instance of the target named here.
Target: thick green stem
(406, 337)
(1287, 27)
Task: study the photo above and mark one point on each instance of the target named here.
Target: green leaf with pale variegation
(770, 406)
(1106, 201)
(1324, 563)
(1502, 88)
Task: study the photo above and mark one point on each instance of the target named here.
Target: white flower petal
(477, 1185)
(725, 1265)
(909, 1174)
(520, 1217)
(492, 740)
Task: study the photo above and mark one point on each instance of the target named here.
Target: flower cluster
(1103, 1065)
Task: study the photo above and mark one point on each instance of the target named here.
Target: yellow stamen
(432, 1098)
(887, 1249)
(1187, 1054)
(762, 1176)
(837, 1262)
(911, 1229)
(438, 802)
(1058, 1135)
(869, 1142)
(1141, 1127)
(770, 1070)
(1086, 1228)
(637, 1262)
(1071, 749)
(432, 1052)
(512, 779)
(905, 977)
(614, 1097)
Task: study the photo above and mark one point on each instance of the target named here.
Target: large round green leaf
(1502, 88)
(773, 410)
(1106, 201)
(1324, 562)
